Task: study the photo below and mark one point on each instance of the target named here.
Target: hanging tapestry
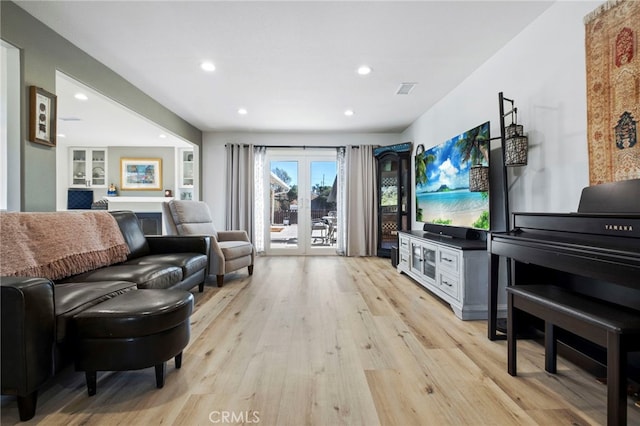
(613, 91)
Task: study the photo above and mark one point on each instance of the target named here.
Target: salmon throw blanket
(58, 244)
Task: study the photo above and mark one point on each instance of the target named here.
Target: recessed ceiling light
(364, 70)
(349, 112)
(208, 66)
(81, 96)
(61, 135)
(163, 136)
(242, 111)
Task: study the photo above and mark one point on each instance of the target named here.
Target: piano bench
(611, 326)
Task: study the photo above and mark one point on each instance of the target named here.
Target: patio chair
(319, 230)
(230, 250)
(331, 232)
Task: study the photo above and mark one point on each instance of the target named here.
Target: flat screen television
(442, 181)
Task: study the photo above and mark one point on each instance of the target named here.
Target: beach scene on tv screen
(442, 181)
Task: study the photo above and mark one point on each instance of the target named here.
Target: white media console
(454, 269)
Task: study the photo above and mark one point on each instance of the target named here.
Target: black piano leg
(494, 261)
(550, 348)
(616, 380)
(27, 405)
(511, 336)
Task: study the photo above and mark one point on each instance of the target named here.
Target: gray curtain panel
(361, 217)
(240, 188)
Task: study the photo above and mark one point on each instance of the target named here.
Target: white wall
(543, 71)
(4, 69)
(10, 151)
(213, 156)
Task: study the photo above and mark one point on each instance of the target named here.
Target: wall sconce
(479, 178)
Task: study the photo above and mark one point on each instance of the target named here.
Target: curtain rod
(300, 146)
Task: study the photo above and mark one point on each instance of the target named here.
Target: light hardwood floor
(329, 341)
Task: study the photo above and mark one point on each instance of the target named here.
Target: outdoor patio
(286, 236)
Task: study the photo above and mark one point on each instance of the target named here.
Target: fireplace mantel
(137, 204)
(148, 210)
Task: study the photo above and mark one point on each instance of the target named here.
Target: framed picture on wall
(143, 174)
(42, 116)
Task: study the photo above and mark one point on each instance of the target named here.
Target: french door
(300, 209)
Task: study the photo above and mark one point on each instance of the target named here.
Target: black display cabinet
(394, 194)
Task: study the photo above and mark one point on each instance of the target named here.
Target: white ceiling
(291, 64)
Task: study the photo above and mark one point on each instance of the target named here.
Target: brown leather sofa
(37, 313)
(166, 262)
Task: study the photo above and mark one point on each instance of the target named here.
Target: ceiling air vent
(405, 88)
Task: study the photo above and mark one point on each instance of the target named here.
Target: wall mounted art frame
(140, 174)
(42, 116)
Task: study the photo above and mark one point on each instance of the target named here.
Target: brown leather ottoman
(138, 329)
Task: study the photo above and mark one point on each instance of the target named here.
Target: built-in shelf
(186, 174)
(88, 167)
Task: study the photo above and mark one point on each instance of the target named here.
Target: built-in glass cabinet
(88, 167)
(186, 174)
(394, 194)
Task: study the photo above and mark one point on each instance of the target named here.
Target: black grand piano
(595, 251)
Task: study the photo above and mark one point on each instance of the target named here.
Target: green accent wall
(44, 51)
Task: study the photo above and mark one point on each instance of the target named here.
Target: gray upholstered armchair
(230, 250)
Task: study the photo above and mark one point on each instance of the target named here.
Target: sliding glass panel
(322, 215)
(283, 205)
